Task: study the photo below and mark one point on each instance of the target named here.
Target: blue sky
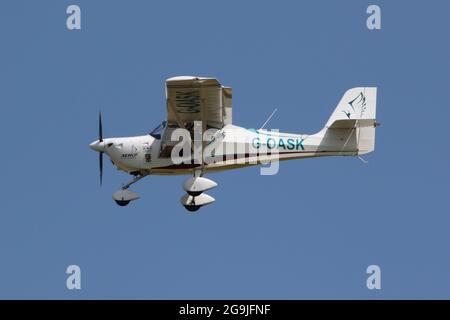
(308, 232)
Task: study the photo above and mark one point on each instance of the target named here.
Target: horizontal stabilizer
(353, 123)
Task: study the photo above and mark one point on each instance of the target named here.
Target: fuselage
(228, 148)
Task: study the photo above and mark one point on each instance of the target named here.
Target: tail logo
(356, 105)
(348, 114)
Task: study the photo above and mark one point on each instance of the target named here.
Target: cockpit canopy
(156, 133)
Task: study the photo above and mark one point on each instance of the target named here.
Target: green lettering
(290, 144)
(299, 144)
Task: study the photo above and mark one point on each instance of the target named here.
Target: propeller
(100, 138)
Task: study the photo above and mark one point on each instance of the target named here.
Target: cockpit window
(156, 133)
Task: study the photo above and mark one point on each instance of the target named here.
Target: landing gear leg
(135, 179)
(198, 173)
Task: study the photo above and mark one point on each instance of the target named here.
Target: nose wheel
(124, 196)
(122, 203)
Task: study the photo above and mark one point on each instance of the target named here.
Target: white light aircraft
(199, 111)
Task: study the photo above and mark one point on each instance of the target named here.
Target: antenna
(268, 119)
(363, 160)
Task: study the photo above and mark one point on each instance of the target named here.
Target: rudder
(357, 103)
(355, 117)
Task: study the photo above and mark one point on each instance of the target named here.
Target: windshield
(156, 133)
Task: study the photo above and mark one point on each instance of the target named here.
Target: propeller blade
(100, 159)
(100, 128)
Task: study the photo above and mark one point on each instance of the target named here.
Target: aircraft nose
(98, 146)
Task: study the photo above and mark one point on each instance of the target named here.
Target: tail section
(352, 125)
(357, 103)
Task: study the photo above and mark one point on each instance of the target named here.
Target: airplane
(199, 112)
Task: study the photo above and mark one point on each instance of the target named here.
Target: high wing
(195, 101)
(192, 99)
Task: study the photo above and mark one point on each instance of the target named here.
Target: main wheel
(192, 208)
(194, 193)
(122, 203)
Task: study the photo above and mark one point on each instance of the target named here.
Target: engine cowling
(196, 185)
